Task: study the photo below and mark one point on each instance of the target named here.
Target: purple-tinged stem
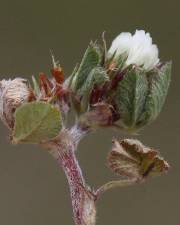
(83, 201)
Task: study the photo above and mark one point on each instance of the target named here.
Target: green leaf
(97, 76)
(36, 122)
(91, 59)
(158, 89)
(130, 97)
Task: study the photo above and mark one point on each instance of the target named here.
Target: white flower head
(138, 49)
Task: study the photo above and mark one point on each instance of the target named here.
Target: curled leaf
(130, 158)
(36, 122)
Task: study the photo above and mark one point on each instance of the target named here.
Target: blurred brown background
(33, 191)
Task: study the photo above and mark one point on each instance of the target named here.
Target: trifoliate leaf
(130, 97)
(91, 59)
(158, 89)
(36, 122)
(130, 158)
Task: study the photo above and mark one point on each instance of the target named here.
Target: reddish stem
(82, 200)
(75, 179)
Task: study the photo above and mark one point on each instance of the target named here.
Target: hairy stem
(114, 184)
(83, 201)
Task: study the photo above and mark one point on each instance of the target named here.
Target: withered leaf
(130, 158)
(99, 115)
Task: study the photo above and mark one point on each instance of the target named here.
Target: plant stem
(83, 201)
(114, 184)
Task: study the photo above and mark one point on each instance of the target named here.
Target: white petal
(121, 43)
(139, 49)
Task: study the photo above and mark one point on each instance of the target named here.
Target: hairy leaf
(36, 122)
(158, 89)
(130, 97)
(91, 59)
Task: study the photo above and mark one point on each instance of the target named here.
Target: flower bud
(128, 78)
(12, 94)
(141, 92)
